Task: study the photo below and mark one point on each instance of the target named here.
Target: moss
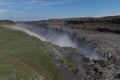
(25, 57)
(67, 62)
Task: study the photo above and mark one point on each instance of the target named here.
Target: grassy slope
(23, 57)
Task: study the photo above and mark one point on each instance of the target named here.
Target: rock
(98, 46)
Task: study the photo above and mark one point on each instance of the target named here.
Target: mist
(59, 38)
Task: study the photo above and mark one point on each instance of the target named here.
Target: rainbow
(13, 27)
(29, 32)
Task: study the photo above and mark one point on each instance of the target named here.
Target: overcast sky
(45, 9)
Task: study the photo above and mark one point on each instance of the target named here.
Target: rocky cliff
(93, 37)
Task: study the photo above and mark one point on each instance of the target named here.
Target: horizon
(33, 10)
(61, 18)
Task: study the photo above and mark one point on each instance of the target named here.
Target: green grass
(66, 62)
(23, 57)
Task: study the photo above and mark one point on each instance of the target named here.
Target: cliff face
(94, 37)
(103, 32)
(93, 51)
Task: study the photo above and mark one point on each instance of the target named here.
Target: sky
(25, 10)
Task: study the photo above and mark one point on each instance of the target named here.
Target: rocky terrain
(97, 56)
(84, 48)
(103, 32)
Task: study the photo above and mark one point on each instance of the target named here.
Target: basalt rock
(94, 37)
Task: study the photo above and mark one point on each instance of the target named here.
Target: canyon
(89, 48)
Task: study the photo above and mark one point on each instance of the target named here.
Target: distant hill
(101, 24)
(6, 22)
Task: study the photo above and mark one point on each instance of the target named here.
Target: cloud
(52, 3)
(3, 11)
(32, 4)
(35, 4)
(42, 3)
(6, 3)
(29, 9)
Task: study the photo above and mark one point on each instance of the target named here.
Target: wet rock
(102, 63)
(86, 60)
